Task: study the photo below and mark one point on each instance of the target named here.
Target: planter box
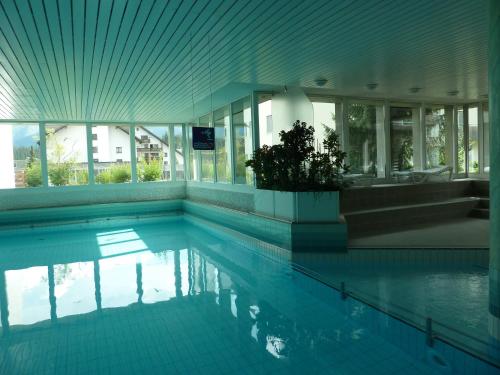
(298, 207)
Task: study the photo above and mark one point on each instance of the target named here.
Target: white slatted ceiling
(145, 60)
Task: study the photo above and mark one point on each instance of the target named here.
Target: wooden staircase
(393, 208)
(482, 210)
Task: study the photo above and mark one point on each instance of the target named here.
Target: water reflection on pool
(168, 296)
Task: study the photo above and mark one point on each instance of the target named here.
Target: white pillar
(494, 110)
(7, 172)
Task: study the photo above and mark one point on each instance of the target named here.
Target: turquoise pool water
(167, 296)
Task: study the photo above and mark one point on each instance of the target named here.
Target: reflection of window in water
(276, 346)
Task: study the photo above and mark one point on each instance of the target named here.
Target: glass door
(403, 121)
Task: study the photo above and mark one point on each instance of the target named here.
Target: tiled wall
(374, 258)
(274, 231)
(224, 195)
(277, 253)
(82, 213)
(16, 199)
(322, 237)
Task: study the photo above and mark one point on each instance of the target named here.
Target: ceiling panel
(132, 60)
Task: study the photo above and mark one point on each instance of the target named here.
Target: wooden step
(484, 203)
(397, 218)
(480, 213)
(480, 188)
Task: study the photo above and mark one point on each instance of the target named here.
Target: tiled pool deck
(458, 233)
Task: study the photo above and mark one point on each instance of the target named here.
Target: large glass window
(158, 276)
(28, 295)
(178, 156)
(324, 121)
(403, 121)
(152, 153)
(486, 138)
(119, 280)
(265, 120)
(435, 137)
(67, 154)
(74, 288)
(207, 156)
(110, 167)
(242, 129)
(460, 140)
(222, 150)
(363, 120)
(20, 156)
(473, 148)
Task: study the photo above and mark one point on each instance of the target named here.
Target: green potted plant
(296, 182)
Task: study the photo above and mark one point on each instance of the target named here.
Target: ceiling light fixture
(320, 81)
(415, 89)
(371, 86)
(453, 93)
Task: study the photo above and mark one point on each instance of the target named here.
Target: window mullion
(422, 157)
(198, 159)
(90, 153)
(480, 137)
(185, 153)
(466, 139)
(214, 154)
(387, 143)
(43, 154)
(171, 153)
(231, 145)
(133, 155)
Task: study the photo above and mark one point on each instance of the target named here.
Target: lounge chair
(433, 174)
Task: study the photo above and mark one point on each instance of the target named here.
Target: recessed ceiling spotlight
(320, 81)
(414, 90)
(371, 86)
(453, 93)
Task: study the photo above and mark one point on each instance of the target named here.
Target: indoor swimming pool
(172, 295)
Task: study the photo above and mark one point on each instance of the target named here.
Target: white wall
(72, 138)
(266, 123)
(163, 148)
(7, 175)
(117, 138)
(322, 113)
(289, 107)
(102, 143)
(108, 138)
